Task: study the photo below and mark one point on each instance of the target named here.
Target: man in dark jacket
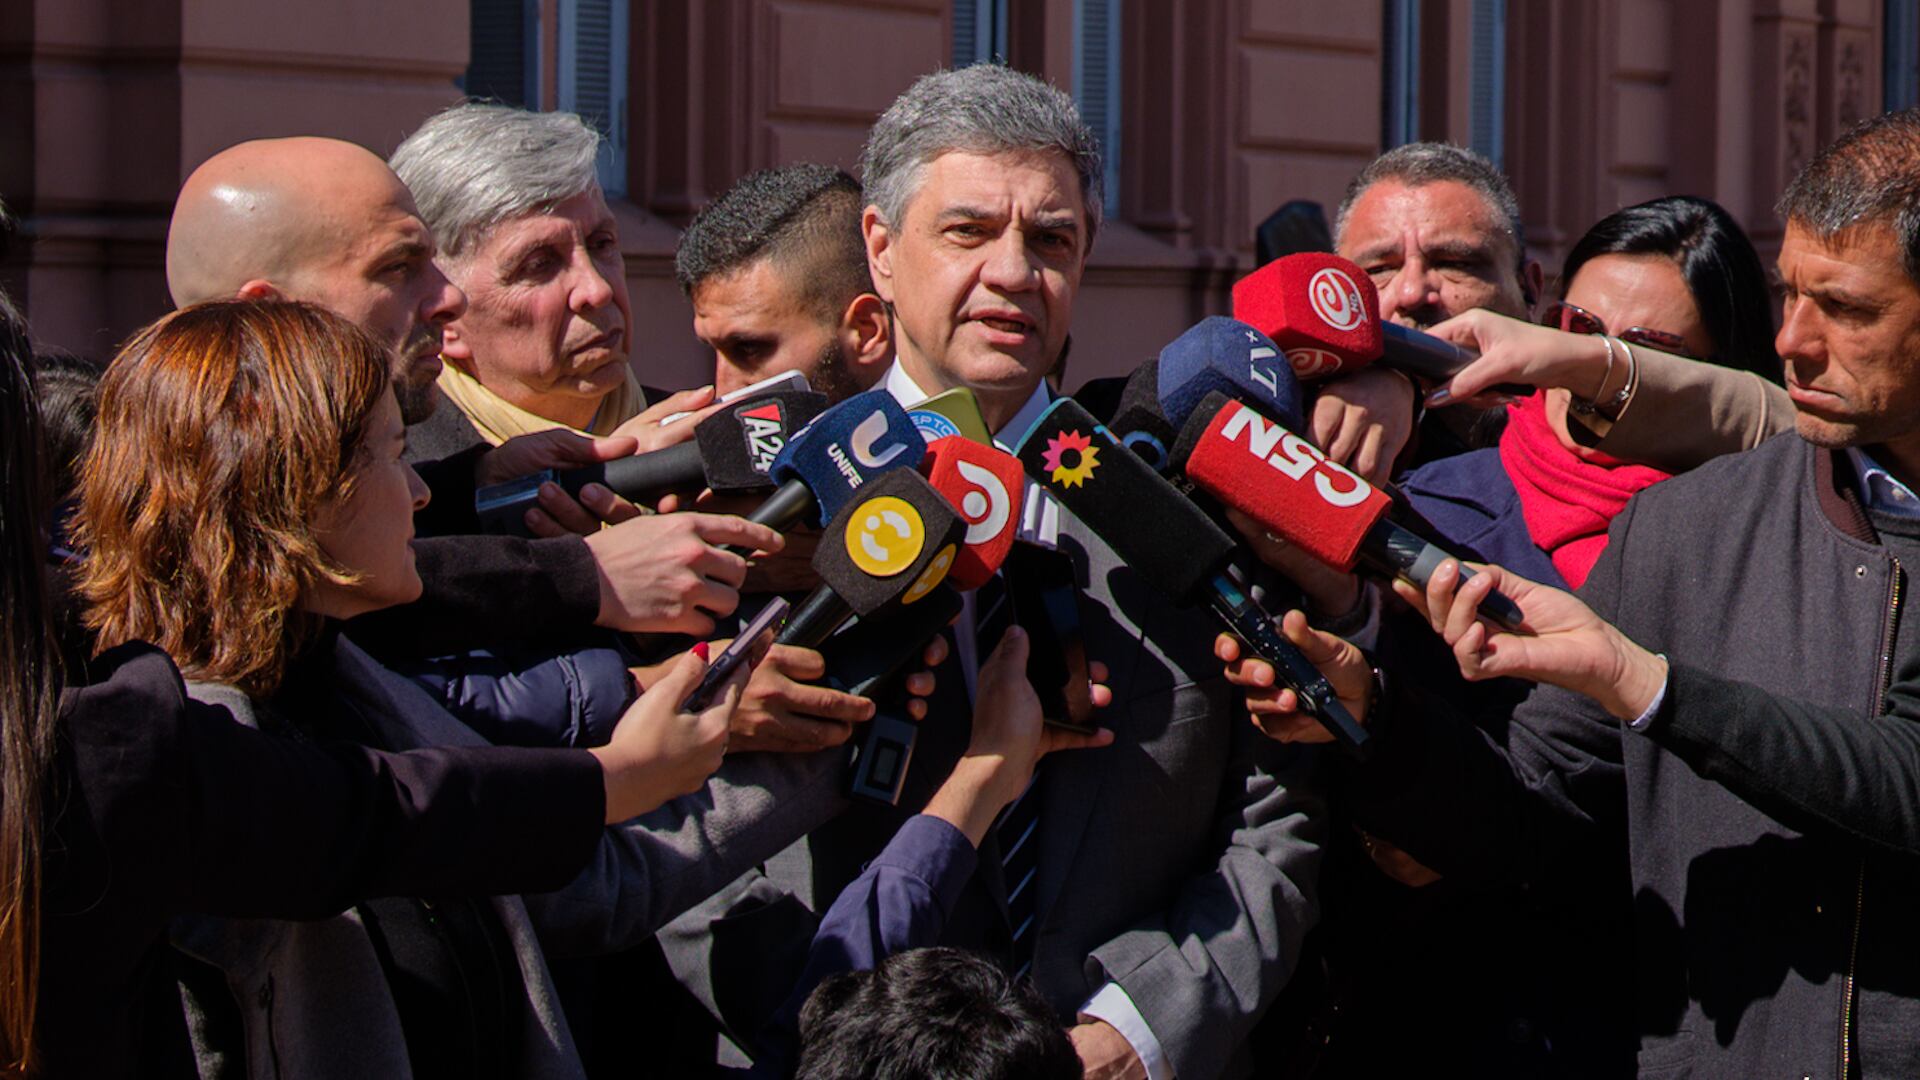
(328, 222)
(1765, 778)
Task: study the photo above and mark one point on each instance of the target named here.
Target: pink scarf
(1567, 500)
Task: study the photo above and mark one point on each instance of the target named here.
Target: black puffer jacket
(1772, 810)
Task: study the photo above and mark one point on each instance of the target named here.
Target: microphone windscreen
(1233, 358)
(893, 540)
(951, 412)
(739, 443)
(1280, 480)
(987, 485)
(1139, 422)
(1320, 309)
(1146, 521)
(847, 446)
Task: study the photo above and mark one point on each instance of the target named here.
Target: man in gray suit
(1161, 887)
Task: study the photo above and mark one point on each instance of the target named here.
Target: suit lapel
(1073, 780)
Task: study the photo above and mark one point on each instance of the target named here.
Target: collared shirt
(1040, 523)
(1879, 490)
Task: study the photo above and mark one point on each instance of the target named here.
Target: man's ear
(879, 238)
(866, 333)
(454, 347)
(260, 289)
(1533, 281)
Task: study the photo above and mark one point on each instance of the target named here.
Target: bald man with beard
(327, 222)
(324, 221)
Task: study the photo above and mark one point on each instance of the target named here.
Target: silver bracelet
(1619, 400)
(1582, 405)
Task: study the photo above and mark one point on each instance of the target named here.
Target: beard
(831, 375)
(417, 400)
(417, 392)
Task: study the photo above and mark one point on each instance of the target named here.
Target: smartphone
(734, 654)
(1046, 604)
(786, 380)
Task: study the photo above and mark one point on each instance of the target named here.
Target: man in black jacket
(1758, 746)
(327, 221)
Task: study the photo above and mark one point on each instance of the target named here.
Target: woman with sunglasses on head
(1674, 276)
(244, 491)
(1645, 399)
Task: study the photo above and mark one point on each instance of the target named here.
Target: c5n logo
(885, 536)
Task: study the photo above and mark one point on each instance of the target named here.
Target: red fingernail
(701, 650)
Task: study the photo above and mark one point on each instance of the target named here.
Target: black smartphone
(1046, 603)
(734, 655)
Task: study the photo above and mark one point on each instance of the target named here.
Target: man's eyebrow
(967, 213)
(1458, 249)
(405, 249)
(1065, 221)
(1388, 249)
(1845, 297)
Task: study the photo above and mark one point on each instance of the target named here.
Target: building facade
(1213, 113)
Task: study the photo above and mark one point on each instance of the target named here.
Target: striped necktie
(1019, 825)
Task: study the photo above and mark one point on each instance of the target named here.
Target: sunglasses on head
(1578, 320)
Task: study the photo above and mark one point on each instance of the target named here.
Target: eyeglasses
(1578, 320)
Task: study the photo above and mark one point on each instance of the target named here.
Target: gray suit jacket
(1179, 862)
(312, 995)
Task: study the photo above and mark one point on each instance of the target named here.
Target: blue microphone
(825, 463)
(1224, 355)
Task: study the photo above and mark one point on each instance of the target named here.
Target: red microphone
(1324, 313)
(1286, 485)
(987, 485)
(1320, 309)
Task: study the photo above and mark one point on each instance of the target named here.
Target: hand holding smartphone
(734, 655)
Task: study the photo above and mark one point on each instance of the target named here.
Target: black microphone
(731, 452)
(823, 465)
(1169, 542)
(891, 545)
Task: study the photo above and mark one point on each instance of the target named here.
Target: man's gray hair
(1422, 163)
(1870, 175)
(983, 109)
(474, 166)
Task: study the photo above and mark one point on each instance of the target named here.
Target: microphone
(730, 452)
(987, 485)
(1285, 483)
(1138, 421)
(889, 545)
(951, 412)
(845, 447)
(1169, 541)
(1324, 313)
(1232, 358)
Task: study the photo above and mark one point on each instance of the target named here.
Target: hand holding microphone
(1510, 351)
(1323, 312)
(1566, 645)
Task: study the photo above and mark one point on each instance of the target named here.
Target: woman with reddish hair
(124, 803)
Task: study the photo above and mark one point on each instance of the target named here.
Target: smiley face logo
(885, 535)
(934, 574)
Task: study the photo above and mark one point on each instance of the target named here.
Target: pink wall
(1230, 107)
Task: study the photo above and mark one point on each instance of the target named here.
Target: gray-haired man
(524, 230)
(1173, 870)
